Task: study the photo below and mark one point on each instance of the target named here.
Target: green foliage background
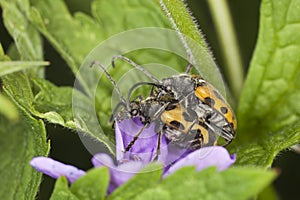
(268, 110)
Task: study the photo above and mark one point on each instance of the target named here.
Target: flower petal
(144, 148)
(56, 169)
(102, 159)
(205, 157)
(123, 173)
(175, 153)
(118, 174)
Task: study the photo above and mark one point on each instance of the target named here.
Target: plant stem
(193, 41)
(230, 49)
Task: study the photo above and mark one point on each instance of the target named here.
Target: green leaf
(249, 182)
(85, 33)
(72, 37)
(19, 143)
(26, 37)
(268, 193)
(20, 140)
(8, 67)
(147, 178)
(199, 54)
(18, 88)
(126, 15)
(154, 194)
(209, 184)
(263, 151)
(269, 101)
(3, 57)
(182, 20)
(93, 185)
(8, 109)
(62, 191)
(56, 106)
(54, 103)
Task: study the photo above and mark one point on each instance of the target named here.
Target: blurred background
(67, 147)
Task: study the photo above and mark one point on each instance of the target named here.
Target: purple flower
(119, 174)
(145, 147)
(142, 152)
(56, 169)
(202, 158)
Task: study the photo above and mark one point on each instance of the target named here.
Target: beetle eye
(208, 116)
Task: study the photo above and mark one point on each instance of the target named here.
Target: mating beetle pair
(188, 110)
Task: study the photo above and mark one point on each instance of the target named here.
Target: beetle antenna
(190, 65)
(135, 65)
(123, 100)
(112, 116)
(137, 85)
(188, 68)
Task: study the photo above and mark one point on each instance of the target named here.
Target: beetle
(185, 108)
